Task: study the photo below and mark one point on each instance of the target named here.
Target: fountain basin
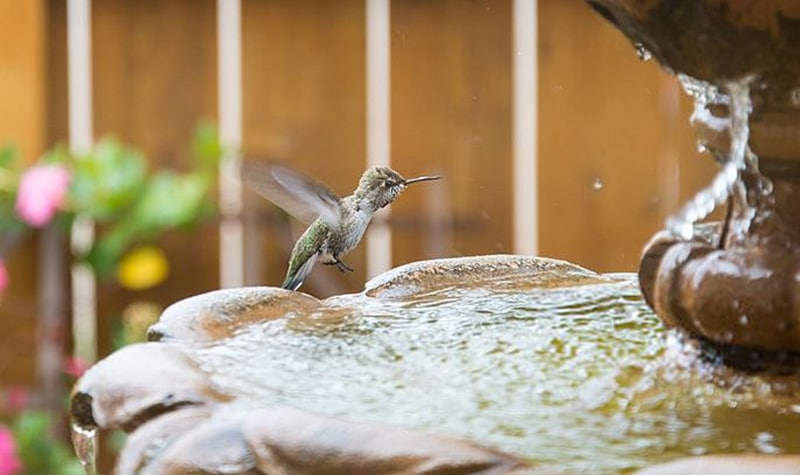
(494, 364)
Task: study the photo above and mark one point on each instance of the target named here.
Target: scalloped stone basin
(495, 364)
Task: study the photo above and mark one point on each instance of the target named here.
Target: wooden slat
(155, 72)
(22, 118)
(451, 114)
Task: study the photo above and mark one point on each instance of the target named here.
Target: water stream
(735, 95)
(85, 443)
(579, 378)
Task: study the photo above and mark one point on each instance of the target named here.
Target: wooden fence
(614, 156)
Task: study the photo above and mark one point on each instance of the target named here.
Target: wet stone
(286, 440)
(218, 314)
(215, 446)
(152, 438)
(499, 272)
(137, 383)
(729, 465)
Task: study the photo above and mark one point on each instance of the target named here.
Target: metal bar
(229, 70)
(379, 238)
(79, 50)
(526, 240)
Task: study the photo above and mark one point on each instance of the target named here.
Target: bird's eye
(389, 183)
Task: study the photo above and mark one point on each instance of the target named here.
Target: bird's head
(382, 185)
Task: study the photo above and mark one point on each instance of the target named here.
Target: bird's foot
(342, 266)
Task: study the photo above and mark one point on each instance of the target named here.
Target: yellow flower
(143, 267)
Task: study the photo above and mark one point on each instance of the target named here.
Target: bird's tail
(292, 282)
(295, 277)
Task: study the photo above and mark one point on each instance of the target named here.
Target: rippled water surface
(580, 379)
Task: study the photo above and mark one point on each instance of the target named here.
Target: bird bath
(565, 370)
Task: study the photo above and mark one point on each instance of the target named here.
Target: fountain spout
(738, 288)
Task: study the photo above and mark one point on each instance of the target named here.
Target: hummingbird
(336, 225)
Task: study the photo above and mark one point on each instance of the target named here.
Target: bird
(336, 225)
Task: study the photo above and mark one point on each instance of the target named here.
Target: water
(642, 52)
(577, 378)
(728, 182)
(85, 443)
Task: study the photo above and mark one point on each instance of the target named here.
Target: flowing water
(84, 441)
(578, 378)
(735, 95)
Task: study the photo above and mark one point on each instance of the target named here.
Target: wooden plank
(451, 115)
(22, 79)
(155, 72)
(22, 123)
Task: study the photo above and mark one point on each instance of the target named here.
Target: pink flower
(42, 191)
(3, 277)
(75, 366)
(9, 461)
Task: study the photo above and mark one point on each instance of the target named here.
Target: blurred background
(610, 152)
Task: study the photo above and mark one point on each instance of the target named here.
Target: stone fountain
(738, 289)
(508, 364)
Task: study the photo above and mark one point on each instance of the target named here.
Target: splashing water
(85, 443)
(642, 52)
(728, 182)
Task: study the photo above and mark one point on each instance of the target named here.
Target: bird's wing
(299, 195)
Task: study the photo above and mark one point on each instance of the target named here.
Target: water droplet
(765, 443)
(766, 187)
(743, 320)
(85, 443)
(727, 337)
(698, 450)
(794, 97)
(597, 184)
(643, 53)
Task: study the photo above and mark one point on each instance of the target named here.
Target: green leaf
(109, 247)
(168, 201)
(107, 180)
(207, 147)
(11, 227)
(8, 156)
(58, 154)
(171, 200)
(40, 453)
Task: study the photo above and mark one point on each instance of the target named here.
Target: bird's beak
(422, 178)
